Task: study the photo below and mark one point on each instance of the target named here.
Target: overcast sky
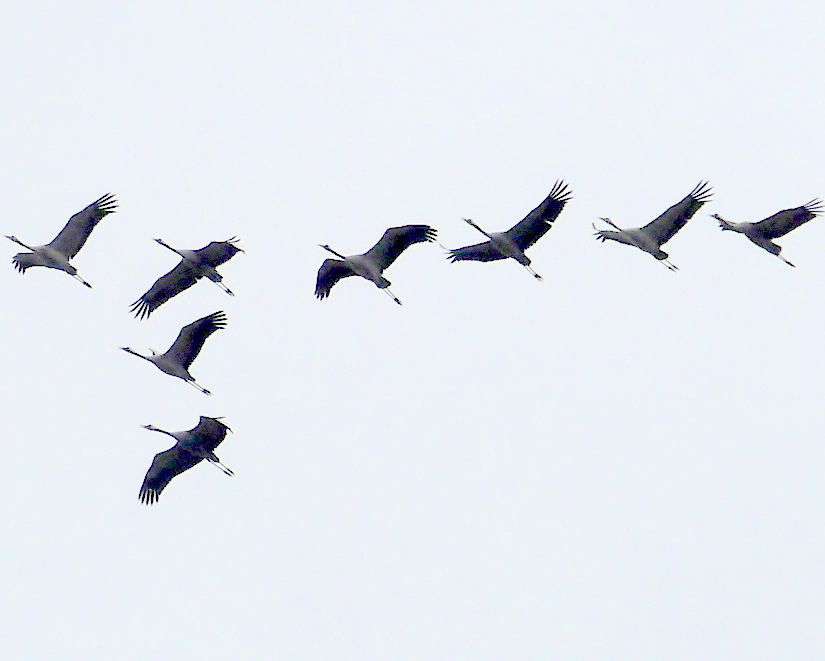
(618, 463)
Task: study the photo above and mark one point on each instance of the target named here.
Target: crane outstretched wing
(671, 221)
(80, 226)
(173, 283)
(779, 224)
(219, 252)
(331, 271)
(209, 433)
(164, 467)
(191, 338)
(396, 240)
(24, 260)
(535, 225)
(480, 252)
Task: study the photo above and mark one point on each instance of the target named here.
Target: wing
(80, 226)
(173, 283)
(783, 222)
(480, 252)
(191, 338)
(331, 271)
(164, 467)
(24, 260)
(209, 433)
(219, 252)
(671, 221)
(539, 220)
(395, 241)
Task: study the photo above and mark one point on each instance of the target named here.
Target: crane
(67, 244)
(177, 359)
(520, 237)
(191, 447)
(194, 265)
(372, 263)
(652, 236)
(772, 227)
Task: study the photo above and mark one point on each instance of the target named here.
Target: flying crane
(194, 265)
(520, 237)
(177, 359)
(67, 244)
(772, 227)
(191, 447)
(652, 236)
(372, 263)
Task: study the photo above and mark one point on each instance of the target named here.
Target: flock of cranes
(199, 443)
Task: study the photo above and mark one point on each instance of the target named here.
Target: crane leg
(224, 287)
(532, 272)
(77, 277)
(218, 464)
(391, 295)
(670, 265)
(199, 387)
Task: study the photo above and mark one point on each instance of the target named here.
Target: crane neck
(166, 245)
(19, 242)
(328, 249)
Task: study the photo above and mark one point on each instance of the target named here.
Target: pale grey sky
(618, 463)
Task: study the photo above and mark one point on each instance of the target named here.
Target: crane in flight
(191, 447)
(656, 233)
(772, 227)
(518, 238)
(67, 244)
(177, 358)
(372, 263)
(194, 265)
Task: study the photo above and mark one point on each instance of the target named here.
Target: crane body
(513, 243)
(659, 231)
(57, 253)
(194, 265)
(371, 264)
(775, 226)
(191, 447)
(176, 360)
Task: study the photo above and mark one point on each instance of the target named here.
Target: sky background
(618, 463)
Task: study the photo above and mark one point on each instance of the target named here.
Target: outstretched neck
(328, 249)
(19, 242)
(473, 224)
(166, 245)
(162, 431)
(135, 353)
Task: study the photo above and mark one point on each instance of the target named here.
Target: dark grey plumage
(659, 231)
(176, 360)
(68, 242)
(523, 234)
(194, 265)
(775, 226)
(191, 447)
(372, 263)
